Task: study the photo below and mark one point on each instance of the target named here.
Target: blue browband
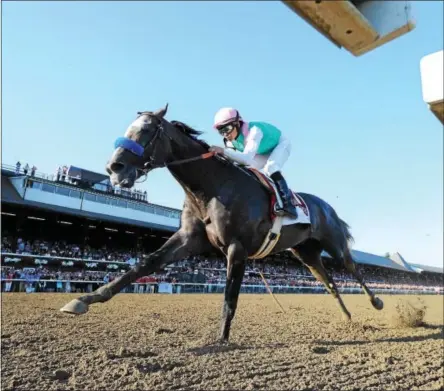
(129, 145)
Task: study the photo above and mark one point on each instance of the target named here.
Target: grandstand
(59, 234)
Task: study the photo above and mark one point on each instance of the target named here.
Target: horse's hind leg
(350, 265)
(346, 258)
(310, 254)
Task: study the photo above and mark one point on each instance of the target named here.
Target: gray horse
(225, 209)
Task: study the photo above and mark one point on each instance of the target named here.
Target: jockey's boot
(285, 194)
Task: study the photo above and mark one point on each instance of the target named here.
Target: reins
(175, 163)
(182, 161)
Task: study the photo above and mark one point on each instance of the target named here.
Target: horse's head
(145, 145)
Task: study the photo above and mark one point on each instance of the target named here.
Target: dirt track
(165, 342)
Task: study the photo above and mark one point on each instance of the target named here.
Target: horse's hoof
(75, 307)
(377, 303)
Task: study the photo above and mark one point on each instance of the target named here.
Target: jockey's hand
(218, 150)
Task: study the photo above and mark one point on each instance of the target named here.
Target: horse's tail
(348, 236)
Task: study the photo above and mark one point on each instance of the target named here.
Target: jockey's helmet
(225, 116)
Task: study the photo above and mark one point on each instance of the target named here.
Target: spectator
(58, 173)
(64, 173)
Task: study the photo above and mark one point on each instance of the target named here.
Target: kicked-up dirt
(151, 342)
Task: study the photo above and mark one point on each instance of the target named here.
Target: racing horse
(225, 209)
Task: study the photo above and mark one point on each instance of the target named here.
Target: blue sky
(76, 73)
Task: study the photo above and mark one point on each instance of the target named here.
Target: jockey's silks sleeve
(252, 143)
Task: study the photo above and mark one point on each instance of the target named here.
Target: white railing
(178, 288)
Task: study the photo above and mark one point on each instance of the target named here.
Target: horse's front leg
(236, 258)
(183, 243)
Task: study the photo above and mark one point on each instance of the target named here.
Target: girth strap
(271, 239)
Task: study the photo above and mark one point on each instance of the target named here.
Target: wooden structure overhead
(358, 26)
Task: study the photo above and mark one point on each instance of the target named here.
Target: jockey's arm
(251, 146)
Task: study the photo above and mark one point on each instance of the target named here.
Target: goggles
(225, 130)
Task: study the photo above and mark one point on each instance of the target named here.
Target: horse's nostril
(116, 167)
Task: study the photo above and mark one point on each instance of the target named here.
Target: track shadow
(217, 348)
(412, 338)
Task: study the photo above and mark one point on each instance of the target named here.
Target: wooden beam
(437, 108)
(358, 26)
(339, 21)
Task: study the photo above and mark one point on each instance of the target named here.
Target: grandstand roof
(375, 260)
(425, 268)
(399, 259)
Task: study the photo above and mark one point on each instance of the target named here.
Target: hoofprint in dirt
(166, 342)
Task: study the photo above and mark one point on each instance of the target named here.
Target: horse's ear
(161, 112)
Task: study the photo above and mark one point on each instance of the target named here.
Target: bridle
(139, 150)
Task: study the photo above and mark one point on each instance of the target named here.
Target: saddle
(270, 186)
(278, 220)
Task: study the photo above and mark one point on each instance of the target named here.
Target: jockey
(257, 144)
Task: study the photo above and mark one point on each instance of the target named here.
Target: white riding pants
(274, 161)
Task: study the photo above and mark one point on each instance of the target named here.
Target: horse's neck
(202, 178)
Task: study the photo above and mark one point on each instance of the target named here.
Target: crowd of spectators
(284, 273)
(69, 250)
(300, 276)
(45, 273)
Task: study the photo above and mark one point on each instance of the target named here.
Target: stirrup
(278, 210)
(281, 211)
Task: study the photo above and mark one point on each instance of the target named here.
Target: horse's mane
(193, 133)
(190, 132)
(184, 128)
